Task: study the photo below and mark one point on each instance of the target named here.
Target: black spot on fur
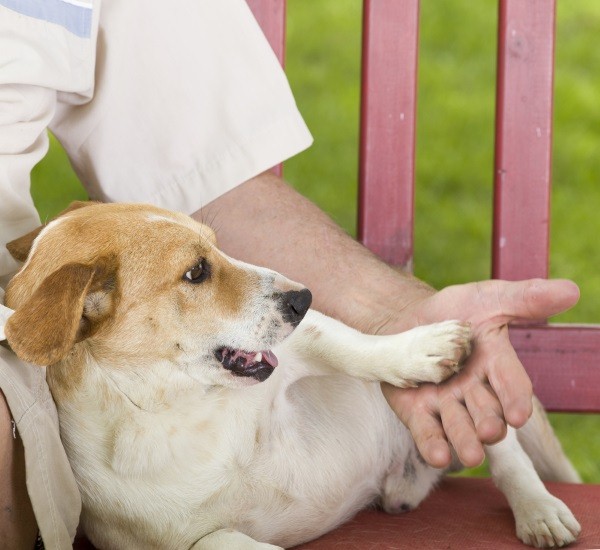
(410, 471)
(420, 458)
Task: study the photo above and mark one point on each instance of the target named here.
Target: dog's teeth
(258, 357)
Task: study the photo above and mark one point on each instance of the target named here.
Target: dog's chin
(249, 367)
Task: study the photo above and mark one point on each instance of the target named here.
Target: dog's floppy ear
(45, 328)
(19, 248)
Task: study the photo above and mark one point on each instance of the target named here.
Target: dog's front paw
(438, 350)
(547, 524)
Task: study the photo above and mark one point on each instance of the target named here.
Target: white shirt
(171, 107)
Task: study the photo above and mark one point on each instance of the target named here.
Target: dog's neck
(125, 384)
(168, 415)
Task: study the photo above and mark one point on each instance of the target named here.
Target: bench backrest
(562, 360)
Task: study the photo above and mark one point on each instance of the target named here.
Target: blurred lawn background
(454, 149)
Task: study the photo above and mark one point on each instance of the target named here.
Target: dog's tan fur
(172, 450)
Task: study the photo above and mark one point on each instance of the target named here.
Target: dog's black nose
(294, 304)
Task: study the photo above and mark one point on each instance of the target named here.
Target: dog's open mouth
(258, 365)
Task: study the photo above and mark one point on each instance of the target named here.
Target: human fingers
(414, 407)
(486, 411)
(459, 428)
(510, 382)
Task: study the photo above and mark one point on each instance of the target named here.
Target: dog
(203, 405)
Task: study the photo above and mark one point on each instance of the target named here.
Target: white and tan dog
(181, 428)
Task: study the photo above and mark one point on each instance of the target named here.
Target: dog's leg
(429, 353)
(229, 538)
(539, 441)
(541, 519)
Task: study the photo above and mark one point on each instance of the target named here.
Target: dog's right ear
(19, 248)
(46, 327)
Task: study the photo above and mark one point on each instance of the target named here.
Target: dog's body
(281, 461)
(173, 440)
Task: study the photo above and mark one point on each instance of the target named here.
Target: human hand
(473, 407)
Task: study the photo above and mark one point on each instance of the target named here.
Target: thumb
(536, 298)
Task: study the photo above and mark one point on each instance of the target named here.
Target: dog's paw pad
(548, 525)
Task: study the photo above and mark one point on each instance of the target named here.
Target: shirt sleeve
(38, 56)
(189, 102)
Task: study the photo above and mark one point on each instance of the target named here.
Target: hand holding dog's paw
(547, 524)
(493, 365)
(437, 351)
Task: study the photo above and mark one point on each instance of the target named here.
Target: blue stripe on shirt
(76, 19)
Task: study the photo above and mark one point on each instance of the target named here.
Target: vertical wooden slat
(523, 138)
(270, 15)
(388, 116)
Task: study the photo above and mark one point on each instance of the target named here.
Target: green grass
(454, 149)
(54, 185)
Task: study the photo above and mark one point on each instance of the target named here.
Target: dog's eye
(198, 273)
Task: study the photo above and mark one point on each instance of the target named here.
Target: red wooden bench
(561, 359)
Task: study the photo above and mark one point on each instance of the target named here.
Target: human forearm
(347, 281)
(265, 222)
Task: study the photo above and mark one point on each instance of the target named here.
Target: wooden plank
(270, 15)
(562, 361)
(388, 117)
(523, 138)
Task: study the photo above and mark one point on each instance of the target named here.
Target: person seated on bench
(187, 108)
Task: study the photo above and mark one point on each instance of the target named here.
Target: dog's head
(135, 285)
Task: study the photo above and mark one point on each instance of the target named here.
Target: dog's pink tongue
(270, 358)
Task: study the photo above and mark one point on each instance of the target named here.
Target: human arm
(265, 222)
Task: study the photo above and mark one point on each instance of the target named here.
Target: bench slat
(270, 15)
(388, 117)
(523, 138)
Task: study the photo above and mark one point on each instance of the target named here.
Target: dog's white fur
(171, 450)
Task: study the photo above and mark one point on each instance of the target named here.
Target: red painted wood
(523, 138)
(388, 115)
(270, 15)
(562, 361)
(461, 513)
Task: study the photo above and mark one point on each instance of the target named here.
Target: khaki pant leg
(50, 482)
